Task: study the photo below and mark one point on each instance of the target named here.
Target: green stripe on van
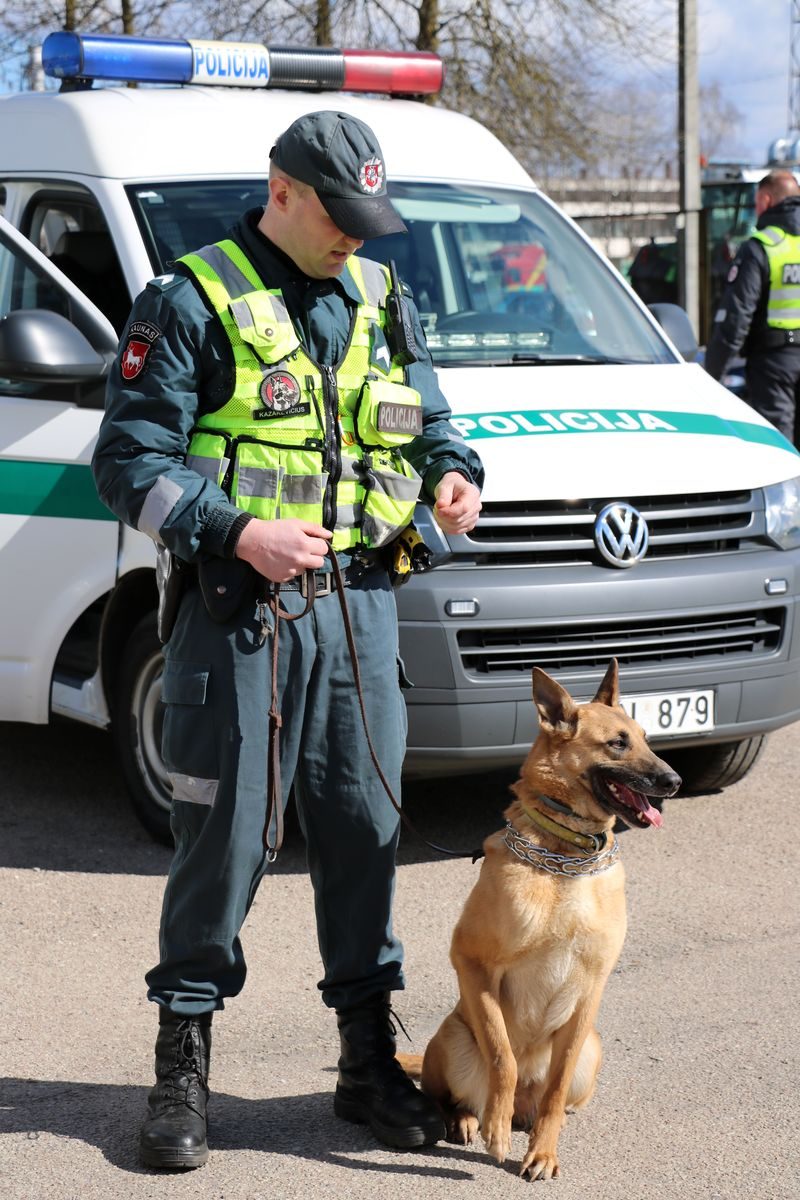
(524, 423)
(34, 489)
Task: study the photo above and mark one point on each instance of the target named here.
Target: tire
(712, 768)
(137, 722)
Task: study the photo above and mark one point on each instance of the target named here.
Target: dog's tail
(411, 1064)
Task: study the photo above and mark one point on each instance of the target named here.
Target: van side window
(70, 229)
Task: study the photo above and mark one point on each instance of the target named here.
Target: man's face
(318, 246)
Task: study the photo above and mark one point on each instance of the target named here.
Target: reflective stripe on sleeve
(158, 504)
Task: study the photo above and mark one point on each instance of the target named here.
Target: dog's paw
(540, 1164)
(462, 1126)
(496, 1134)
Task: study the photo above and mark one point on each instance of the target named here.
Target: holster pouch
(408, 556)
(171, 580)
(225, 584)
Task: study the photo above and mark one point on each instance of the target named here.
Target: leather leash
(274, 796)
(274, 790)
(351, 646)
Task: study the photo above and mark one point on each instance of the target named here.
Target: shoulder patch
(141, 337)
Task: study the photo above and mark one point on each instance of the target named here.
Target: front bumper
(462, 720)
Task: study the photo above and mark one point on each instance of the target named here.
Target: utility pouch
(225, 583)
(171, 580)
(388, 414)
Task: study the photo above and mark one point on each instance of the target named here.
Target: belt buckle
(322, 583)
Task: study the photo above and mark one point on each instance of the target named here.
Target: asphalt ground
(698, 1095)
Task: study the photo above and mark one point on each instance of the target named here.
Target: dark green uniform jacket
(176, 365)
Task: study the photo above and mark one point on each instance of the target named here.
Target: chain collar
(559, 864)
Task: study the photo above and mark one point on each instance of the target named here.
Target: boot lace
(184, 1080)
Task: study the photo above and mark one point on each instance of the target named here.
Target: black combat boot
(174, 1133)
(373, 1089)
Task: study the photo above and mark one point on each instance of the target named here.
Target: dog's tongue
(641, 804)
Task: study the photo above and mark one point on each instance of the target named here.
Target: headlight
(783, 513)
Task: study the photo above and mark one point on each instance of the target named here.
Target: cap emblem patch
(370, 175)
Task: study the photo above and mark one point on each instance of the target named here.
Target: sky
(745, 46)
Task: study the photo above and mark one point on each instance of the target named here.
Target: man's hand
(281, 549)
(458, 503)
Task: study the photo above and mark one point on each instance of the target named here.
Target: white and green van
(633, 507)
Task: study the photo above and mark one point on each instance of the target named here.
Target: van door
(58, 544)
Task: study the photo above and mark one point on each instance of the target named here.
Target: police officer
(258, 419)
(759, 313)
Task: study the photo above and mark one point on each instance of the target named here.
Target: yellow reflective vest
(783, 256)
(298, 439)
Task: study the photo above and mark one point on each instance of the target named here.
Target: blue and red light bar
(78, 56)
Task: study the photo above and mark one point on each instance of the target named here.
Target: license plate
(670, 713)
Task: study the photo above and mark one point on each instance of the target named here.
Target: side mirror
(676, 324)
(45, 347)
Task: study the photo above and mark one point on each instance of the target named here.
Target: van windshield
(497, 275)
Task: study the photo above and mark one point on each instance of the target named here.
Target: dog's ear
(557, 710)
(608, 692)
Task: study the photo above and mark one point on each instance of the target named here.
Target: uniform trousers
(216, 690)
(773, 381)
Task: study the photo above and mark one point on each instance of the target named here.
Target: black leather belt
(324, 582)
(775, 339)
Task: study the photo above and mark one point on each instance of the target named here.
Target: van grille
(543, 533)
(513, 651)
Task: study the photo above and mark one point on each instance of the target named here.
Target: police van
(633, 507)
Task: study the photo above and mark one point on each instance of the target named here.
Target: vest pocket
(392, 488)
(388, 414)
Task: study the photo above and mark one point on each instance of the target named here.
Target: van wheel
(711, 768)
(137, 724)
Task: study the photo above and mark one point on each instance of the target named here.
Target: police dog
(542, 930)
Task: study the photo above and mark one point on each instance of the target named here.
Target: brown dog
(542, 929)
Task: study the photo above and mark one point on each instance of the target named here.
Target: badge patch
(734, 271)
(399, 418)
(142, 336)
(370, 175)
(279, 391)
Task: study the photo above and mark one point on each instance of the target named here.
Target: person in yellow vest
(759, 313)
(261, 416)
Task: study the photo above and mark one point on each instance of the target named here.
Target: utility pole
(794, 70)
(689, 163)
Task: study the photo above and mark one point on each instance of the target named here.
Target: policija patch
(399, 418)
(280, 395)
(142, 336)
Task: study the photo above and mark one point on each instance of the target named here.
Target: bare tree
(720, 121)
(528, 69)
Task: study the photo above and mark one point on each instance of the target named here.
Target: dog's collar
(595, 842)
(559, 864)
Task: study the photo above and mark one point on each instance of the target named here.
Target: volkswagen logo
(621, 534)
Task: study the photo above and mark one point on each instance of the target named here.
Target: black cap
(339, 156)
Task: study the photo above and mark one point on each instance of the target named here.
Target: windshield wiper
(539, 360)
(560, 359)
